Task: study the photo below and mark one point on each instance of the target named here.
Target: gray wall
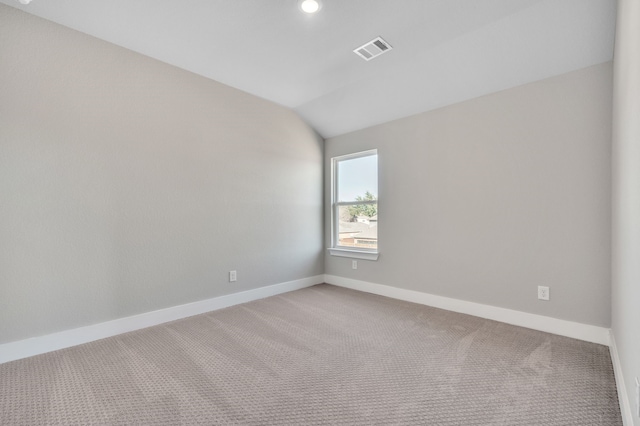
(626, 195)
(128, 185)
(487, 199)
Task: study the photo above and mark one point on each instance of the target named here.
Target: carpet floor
(319, 356)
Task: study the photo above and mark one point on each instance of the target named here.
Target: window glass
(356, 177)
(355, 201)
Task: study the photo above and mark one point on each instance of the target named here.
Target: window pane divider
(355, 203)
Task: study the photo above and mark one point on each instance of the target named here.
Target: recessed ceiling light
(310, 6)
(25, 1)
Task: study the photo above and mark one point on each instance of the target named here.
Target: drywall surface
(128, 185)
(626, 196)
(487, 199)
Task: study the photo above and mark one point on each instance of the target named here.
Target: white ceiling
(444, 51)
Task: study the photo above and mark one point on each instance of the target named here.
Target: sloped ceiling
(444, 51)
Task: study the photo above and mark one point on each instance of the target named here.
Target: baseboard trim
(64, 339)
(589, 333)
(623, 397)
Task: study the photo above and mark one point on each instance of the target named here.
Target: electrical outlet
(354, 264)
(543, 292)
(637, 397)
(233, 276)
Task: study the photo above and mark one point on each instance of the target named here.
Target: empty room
(320, 212)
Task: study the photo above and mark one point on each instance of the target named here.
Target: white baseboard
(64, 339)
(589, 333)
(623, 397)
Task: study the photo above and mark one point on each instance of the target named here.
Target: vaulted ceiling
(444, 51)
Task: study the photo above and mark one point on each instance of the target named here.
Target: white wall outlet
(233, 276)
(637, 397)
(354, 264)
(543, 292)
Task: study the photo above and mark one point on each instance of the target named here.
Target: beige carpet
(322, 355)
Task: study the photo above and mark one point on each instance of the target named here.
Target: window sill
(355, 254)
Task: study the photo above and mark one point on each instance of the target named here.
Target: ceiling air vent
(374, 48)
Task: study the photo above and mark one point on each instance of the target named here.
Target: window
(354, 205)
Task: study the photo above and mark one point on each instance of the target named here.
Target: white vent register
(373, 49)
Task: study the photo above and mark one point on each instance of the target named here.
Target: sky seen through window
(357, 176)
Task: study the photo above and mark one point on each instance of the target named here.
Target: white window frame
(345, 251)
